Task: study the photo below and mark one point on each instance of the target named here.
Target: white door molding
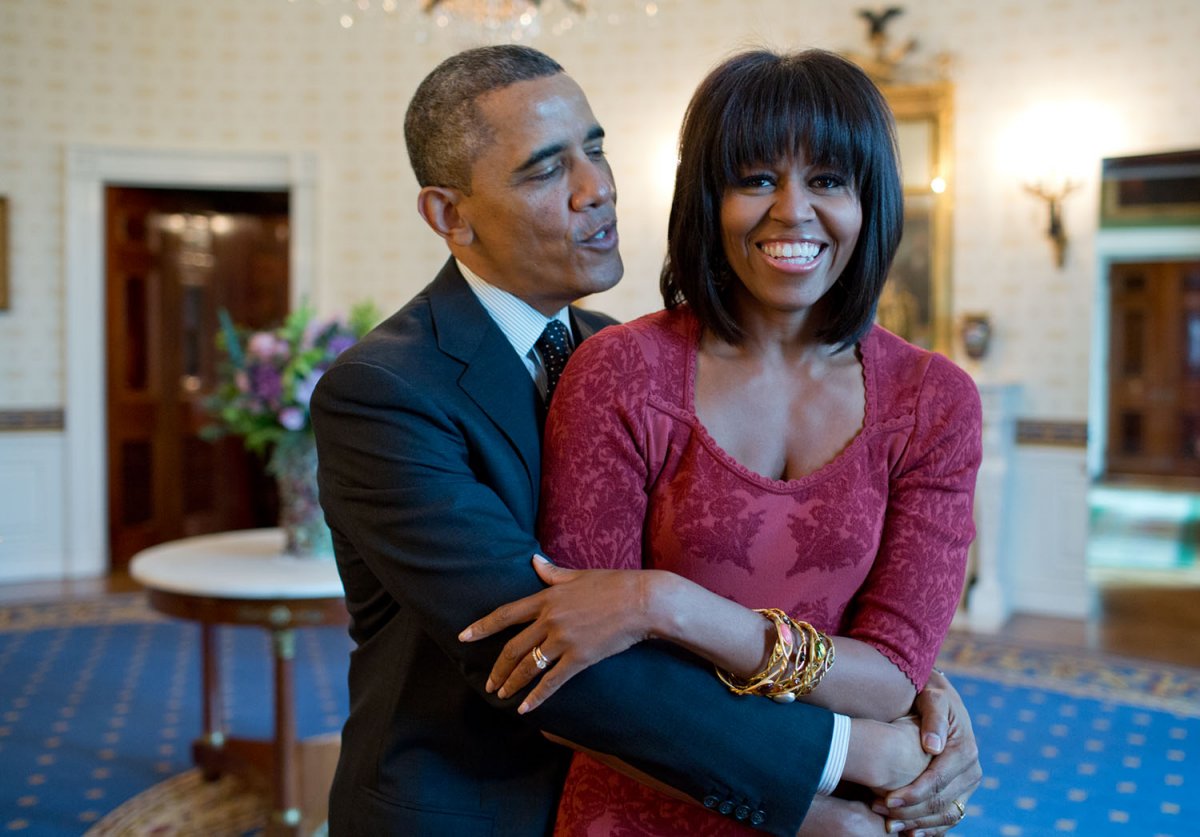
(88, 170)
(1135, 244)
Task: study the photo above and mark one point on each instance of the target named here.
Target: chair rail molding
(89, 169)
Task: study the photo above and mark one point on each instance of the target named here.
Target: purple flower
(340, 343)
(292, 418)
(266, 383)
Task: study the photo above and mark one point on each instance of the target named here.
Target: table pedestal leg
(286, 816)
(206, 752)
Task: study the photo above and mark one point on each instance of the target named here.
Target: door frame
(1113, 246)
(89, 169)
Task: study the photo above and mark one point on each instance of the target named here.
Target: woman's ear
(439, 206)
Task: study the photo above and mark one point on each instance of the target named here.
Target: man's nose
(593, 185)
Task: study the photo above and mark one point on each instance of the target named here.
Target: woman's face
(789, 229)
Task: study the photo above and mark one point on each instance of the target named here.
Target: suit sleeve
(399, 479)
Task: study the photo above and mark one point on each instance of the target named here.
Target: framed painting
(1151, 190)
(3, 254)
(916, 300)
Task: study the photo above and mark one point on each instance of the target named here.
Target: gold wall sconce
(1053, 196)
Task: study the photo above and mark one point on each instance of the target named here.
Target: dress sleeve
(593, 500)
(905, 606)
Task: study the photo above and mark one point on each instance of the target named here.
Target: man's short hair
(443, 128)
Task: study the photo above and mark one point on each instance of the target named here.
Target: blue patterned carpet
(1078, 743)
(99, 701)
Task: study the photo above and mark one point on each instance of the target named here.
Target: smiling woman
(761, 448)
(784, 266)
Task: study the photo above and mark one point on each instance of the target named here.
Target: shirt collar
(520, 322)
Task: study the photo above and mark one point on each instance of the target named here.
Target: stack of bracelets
(801, 657)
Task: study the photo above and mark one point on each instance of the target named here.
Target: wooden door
(174, 259)
(1154, 371)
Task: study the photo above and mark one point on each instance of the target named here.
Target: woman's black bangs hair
(770, 113)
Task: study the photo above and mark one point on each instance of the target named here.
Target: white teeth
(805, 251)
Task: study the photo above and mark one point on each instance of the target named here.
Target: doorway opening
(1145, 506)
(174, 258)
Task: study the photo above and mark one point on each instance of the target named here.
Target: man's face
(542, 206)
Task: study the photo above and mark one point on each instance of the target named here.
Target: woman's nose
(793, 204)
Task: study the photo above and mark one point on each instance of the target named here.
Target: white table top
(247, 564)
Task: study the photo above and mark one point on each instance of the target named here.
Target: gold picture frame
(916, 302)
(3, 254)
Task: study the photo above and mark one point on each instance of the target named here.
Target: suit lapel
(583, 328)
(493, 377)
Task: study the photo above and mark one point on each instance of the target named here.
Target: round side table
(243, 578)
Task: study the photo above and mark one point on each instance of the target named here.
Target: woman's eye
(757, 181)
(828, 181)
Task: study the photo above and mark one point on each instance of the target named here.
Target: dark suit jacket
(428, 437)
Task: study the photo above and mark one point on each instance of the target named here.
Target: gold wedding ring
(539, 660)
(962, 809)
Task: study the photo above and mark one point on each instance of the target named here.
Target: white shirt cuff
(839, 747)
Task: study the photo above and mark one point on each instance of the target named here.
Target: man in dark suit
(428, 433)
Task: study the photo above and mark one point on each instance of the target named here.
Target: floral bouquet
(269, 376)
(264, 387)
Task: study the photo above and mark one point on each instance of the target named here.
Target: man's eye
(547, 173)
(596, 153)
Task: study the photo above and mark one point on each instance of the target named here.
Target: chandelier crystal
(489, 19)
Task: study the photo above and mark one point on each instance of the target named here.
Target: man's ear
(439, 206)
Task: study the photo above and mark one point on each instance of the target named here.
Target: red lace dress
(873, 545)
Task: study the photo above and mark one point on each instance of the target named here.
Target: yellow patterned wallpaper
(269, 74)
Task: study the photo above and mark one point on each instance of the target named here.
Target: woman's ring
(962, 809)
(539, 660)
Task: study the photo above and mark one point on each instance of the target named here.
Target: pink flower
(262, 344)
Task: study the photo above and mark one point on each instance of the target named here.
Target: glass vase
(293, 464)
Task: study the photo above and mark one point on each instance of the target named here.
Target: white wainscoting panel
(31, 507)
(1047, 544)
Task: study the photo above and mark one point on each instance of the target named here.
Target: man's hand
(936, 801)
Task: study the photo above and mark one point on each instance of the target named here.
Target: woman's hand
(937, 800)
(582, 617)
(829, 816)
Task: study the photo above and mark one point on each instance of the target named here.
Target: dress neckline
(864, 349)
